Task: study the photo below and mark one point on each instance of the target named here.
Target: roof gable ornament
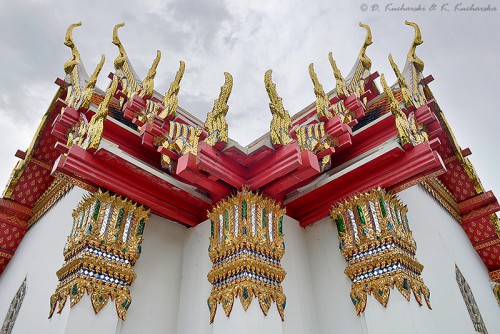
(363, 58)
(417, 40)
(322, 101)
(281, 122)
(170, 101)
(409, 131)
(130, 82)
(80, 86)
(341, 85)
(405, 90)
(216, 124)
(96, 125)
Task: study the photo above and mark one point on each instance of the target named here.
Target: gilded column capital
(246, 247)
(102, 248)
(377, 243)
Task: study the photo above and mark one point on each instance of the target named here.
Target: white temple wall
(300, 311)
(39, 256)
(442, 243)
(156, 290)
(335, 312)
(194, 316)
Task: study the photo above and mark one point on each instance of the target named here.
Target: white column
(82, 319)
(335, 312)
(301, 308)
(194, 316)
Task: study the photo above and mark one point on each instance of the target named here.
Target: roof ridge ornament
(322, 101)
(96, 123)
(216, 124)
(417, 40)
(170, 100)
(402, 124)
(131, 85)
(89, 87)
(364, 59)
(75, 55)
(405, 90)
(281, 122)
(341, 85)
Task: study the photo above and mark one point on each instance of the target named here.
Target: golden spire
(148, 82)
(89, 87)
(339, 79)
(322, 101)
(402, 124)
(417, 40)
(365, 61)
(75, 55)
(281, 122)
(405, 90)
(216, 124)
(170, 101)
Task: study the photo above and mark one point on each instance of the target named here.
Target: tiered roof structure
(138, 143)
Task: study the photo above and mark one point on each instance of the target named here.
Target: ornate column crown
(246, 247)
(103, 246)
(377, 243)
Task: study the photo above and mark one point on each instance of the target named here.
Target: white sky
(461, 51)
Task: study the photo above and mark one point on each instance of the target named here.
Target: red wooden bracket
(188, 171)
(105, 169)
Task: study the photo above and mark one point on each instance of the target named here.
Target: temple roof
(139, 143)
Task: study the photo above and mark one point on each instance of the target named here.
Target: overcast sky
(461, 51)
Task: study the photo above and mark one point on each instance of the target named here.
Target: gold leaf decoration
(102, 248)
(378, 245)
(246, 247)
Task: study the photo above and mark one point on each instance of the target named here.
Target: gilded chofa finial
(170, 101)
(148, 82)
(122, 56)
(322, 101)
(402, 124)
(367, 63)
(89, 87)
(281, 122)
(405, 90)
(216, 124)
(68, 41)
(417, 40)
(339, 79)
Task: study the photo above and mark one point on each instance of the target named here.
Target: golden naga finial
(122, 56)
(96, 124)
(402, 124)
(170, 101)
(281, 122)
(89, 87)
(322, 101)
(417, 40)
(148, 83)
(75, 55)
(216, 124)
(339, 79)
(405, 90)
(365, 61)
